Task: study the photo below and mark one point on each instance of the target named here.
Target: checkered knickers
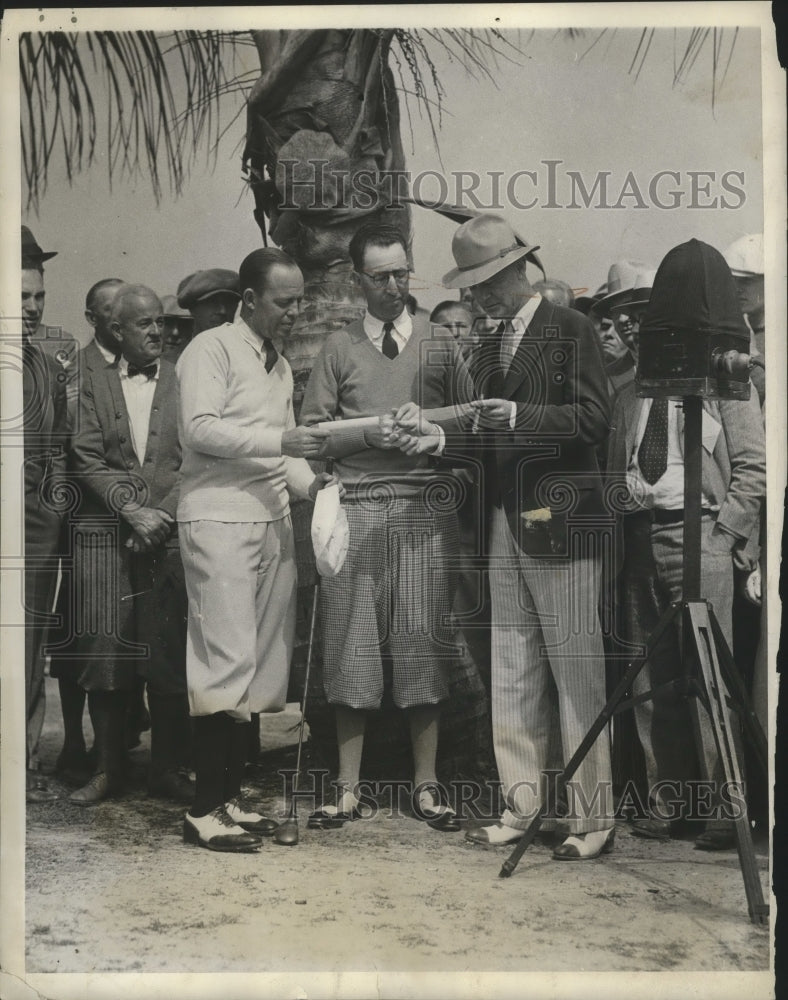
(394, 595)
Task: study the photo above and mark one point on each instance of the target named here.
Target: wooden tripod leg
(738, 692)
(702, 642)
(577, 758)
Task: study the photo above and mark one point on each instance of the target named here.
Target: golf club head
(286, 833)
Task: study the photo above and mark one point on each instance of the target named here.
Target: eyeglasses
(381, 278)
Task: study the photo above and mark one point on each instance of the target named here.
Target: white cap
(745, 255)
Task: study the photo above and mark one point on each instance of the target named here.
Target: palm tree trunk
(325, 113)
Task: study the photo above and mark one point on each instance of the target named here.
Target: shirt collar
(250, 337)
(123, 367)
(109, 356)
(373, 326)
(526, 314)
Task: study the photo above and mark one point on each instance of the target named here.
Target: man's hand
(410, 420)
(136, 543)
(494, 412)
(751, 587)
(385, 435)
(324, 479)
(151, 524)
(303, 442)
(419, 444)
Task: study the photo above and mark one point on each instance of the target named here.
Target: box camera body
(684, 362)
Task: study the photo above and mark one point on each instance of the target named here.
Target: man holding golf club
(243, 457)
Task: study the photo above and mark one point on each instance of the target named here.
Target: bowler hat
(31, 251)
(203, 284)
(482, 247)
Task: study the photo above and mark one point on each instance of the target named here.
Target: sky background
(585, 111)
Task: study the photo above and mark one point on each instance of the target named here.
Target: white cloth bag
(330, 536)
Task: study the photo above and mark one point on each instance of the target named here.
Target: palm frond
(163, 101)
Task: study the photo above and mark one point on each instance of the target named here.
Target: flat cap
(170, 307)
(203, 284)
(31, 251)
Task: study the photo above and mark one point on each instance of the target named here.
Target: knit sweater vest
(351, 378)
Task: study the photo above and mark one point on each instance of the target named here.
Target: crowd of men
(161, 459)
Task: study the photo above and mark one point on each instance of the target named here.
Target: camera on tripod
(693, 340)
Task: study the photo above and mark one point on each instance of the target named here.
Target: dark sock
(211, 754)
(72, 706)
(170, 731)
(108, 713)
(239, 750)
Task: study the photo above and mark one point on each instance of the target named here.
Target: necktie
(653, 450)
(149, 371)
(270, 354)
(390, 348)
(508, 345)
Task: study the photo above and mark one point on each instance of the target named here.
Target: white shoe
(241, 811)
(495, 836)
(585, 846)
(218, 832)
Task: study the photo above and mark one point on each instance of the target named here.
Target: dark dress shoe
(586, 846)
(718, 838)
(333, 817)
(175, 785)
(437, 813)
(241, 811)
(218, 832)
(38, 789)
(99, 787)
(651, 828)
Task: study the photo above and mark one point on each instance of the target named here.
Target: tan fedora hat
(637, 297)
(484, 246)
(620, 281)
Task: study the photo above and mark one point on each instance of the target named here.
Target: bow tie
(149, 371)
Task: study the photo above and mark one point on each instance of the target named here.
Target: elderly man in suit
(646, 446)
(127, 617)
(543, 410)
(45, 439)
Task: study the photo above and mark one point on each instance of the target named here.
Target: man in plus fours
(243, 457)
(545, 408)
(394, 593)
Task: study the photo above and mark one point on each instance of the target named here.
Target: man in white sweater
(242, 458)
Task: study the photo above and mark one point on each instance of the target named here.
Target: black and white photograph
(452, 322)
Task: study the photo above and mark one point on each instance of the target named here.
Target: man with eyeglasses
(394, 594)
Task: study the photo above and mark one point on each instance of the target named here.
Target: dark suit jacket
(108, 639)
(103, 460)
(548, 461)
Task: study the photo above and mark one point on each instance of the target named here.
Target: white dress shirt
(514, 333)
(668, 491)
(401, 330)
(138, 393)
(109, 356)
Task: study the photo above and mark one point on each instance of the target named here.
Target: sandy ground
(114, 889)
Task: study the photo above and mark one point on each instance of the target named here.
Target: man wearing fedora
(211, 296)
(53, 340)
(543, 410)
